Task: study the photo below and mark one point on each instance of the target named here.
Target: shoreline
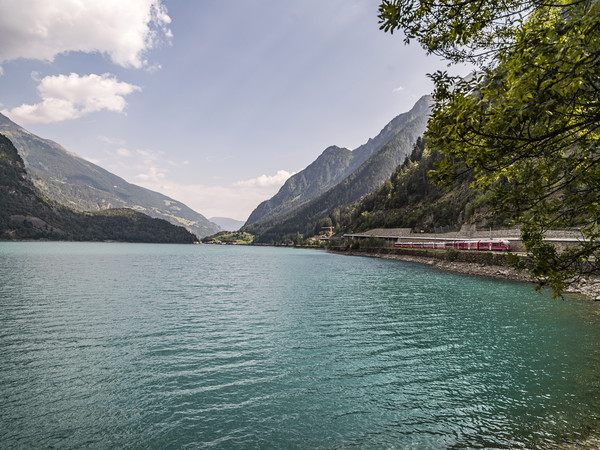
(588, 288)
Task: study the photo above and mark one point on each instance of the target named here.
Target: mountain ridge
(25, 213)
(331, 167)
(404, 130)
(71, 180)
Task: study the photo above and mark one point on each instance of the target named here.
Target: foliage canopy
(526, 123)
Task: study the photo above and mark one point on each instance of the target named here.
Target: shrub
(451, 254)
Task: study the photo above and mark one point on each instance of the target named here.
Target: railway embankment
(487, 264)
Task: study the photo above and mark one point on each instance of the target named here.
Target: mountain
(26, 214)
(331, 167)
(410, 200)
(83, 186)
(227, 224)
(379, 160)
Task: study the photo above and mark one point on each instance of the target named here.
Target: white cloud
(267, 180)
(71, 96)
(149, 156)
(153, 174)
(398, 89)
(42, 29)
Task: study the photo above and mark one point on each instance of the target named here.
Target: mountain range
(337, 178)
(83, 186)
(410, 200)
(308, 202)
(227, 224)
(25, 213)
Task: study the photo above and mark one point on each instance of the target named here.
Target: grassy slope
(25, 213)
(84, 186)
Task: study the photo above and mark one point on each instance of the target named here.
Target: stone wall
(475, 256)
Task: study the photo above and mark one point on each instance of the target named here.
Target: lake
(110, 345)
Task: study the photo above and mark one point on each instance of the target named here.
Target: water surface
(134, 345)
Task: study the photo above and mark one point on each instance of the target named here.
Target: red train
(498, 245)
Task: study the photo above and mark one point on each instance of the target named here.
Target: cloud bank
(71, 96)
(152, 170)
(157, 170)
(267, 180)
(123, 30)
(235, 201)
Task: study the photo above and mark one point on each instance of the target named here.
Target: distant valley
(227, 224)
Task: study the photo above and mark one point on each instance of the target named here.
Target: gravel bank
(589, 288)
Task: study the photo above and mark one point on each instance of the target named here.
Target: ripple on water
(119, 345)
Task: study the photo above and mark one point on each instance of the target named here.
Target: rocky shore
(588, 288)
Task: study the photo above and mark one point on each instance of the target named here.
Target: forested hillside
(26, 214)
(410, 200)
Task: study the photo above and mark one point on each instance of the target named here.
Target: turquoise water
(165, 346)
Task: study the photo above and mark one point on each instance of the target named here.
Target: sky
(214, 103)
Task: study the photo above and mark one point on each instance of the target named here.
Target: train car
(461, 245)
(497, 245)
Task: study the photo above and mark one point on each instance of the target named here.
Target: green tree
(472, 31)
(527, 122)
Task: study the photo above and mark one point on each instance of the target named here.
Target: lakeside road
(587, 287)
